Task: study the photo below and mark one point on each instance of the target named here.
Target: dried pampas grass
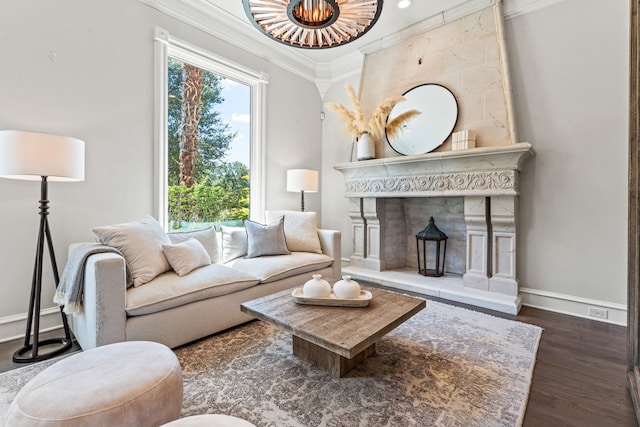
(354, 120)
(376, 123)
(396, 125)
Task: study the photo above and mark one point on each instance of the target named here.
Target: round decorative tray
(361, 301)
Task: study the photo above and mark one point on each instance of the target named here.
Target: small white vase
(317, 287)
(366, 147)
(346, 288)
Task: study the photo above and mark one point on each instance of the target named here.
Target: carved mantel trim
(488, 171)
(459, 184)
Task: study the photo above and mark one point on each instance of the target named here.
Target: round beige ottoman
(135, 383)
(210, 420)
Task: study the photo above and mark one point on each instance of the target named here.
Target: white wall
(84, 68)
(337, 149)
(569, 65)
(569, 69)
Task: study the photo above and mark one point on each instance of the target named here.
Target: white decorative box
(463, 140)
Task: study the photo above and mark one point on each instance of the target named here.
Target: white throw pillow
(141, 245)
(234, 243)
(267, 239)
(208, 238)
(186, 256)
(300, 230)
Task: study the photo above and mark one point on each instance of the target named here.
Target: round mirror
(426, 132)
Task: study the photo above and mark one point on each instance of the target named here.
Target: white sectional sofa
(174, 310)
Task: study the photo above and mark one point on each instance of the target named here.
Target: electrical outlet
(600, 313)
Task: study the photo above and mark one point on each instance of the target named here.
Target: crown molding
(347, 66)
(513, 8)
(225, 26)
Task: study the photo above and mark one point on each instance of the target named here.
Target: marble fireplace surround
(487, 180)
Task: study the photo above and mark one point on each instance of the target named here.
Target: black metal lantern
(431, 233)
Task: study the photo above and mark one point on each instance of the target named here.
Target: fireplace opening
(405, 217)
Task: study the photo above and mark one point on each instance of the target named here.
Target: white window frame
(167, 46)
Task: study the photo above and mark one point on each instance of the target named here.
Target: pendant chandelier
(313, 24)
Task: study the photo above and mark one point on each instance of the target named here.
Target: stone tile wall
(464, 55)
(405, 217)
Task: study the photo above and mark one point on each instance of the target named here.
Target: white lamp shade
(32, 155)
(302, 180)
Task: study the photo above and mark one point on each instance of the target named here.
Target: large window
(209, 133)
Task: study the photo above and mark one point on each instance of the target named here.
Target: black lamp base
(302, 201)
(25, 354)
(30, 351)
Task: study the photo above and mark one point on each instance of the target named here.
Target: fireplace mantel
(487, 171)
(487, 180)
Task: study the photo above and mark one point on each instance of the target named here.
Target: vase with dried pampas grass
(375, 127)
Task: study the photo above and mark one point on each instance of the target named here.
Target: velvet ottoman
(136, 383)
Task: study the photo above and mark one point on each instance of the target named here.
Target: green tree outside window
(203, 187)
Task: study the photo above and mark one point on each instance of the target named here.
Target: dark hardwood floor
(8, 348)
(580, 374)
(579, 378)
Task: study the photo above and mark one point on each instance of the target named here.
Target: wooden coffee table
(335, 338)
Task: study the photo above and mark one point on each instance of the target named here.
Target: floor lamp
(302, 180)
(41, 157)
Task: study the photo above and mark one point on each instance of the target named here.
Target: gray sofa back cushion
(266, 239)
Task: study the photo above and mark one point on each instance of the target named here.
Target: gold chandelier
(313, 24)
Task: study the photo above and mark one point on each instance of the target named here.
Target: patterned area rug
(446, 366)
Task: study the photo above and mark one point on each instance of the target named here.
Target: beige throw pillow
(141, 245)
(186, 256)
(300, 230)
(208, 238)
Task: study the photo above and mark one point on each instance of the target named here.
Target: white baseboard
(13, 327)
(573, 305)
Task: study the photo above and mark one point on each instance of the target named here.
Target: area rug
(446, 366)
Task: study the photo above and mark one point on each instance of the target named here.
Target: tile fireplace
(472, 194)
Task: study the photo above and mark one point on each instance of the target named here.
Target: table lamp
(41, 157)
(302, 180)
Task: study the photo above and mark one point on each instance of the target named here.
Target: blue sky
(236, 111)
